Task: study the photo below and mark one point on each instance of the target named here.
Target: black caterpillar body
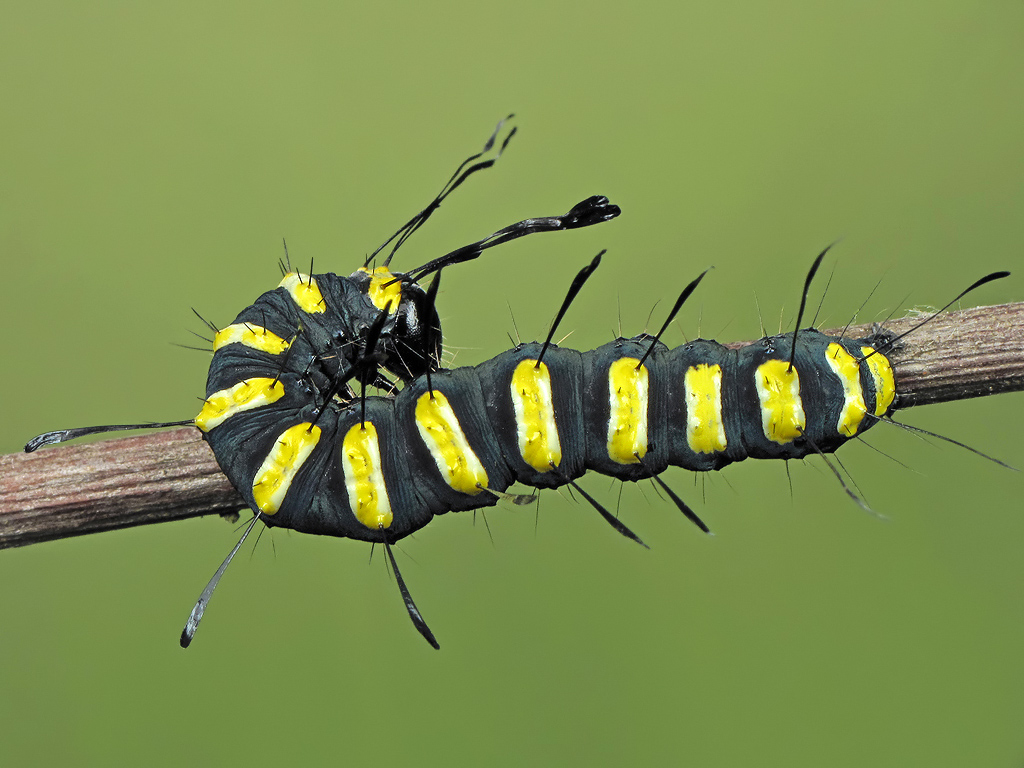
(381, 467)
(289, 421)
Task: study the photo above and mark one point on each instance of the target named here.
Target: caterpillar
(289, 420)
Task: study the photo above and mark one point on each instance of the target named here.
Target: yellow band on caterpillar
(535, 416)
(364, 477)
(845, 367)
(304, 292)
(883, 378)
(243, 396)
(249, 335)
(702, 387)
(274, 478)
(782, 410)
(442, 434)
(385, 289)
(627, 420)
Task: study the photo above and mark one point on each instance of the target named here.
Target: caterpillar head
(410, 340)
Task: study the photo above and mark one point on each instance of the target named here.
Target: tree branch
(71, 490)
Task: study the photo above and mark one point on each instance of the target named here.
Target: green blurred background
(152, 159)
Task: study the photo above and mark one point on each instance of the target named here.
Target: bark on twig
(74, 489)
(71, 490)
